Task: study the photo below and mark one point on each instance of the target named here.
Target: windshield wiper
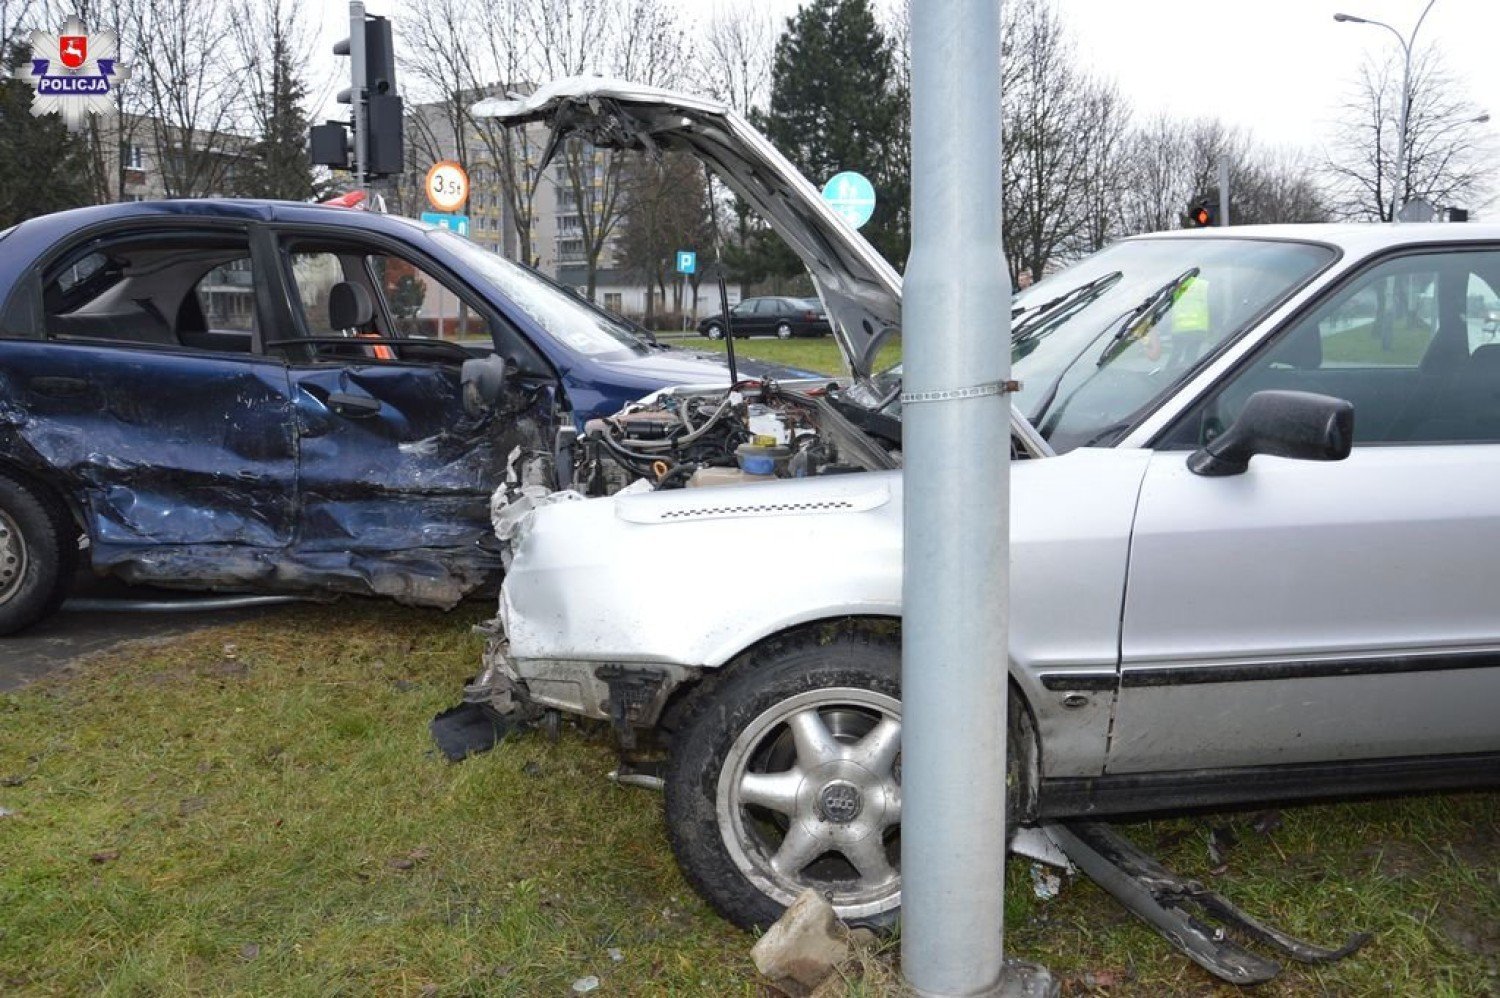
(1125, 322)
(1083, 294)
(1148, 313)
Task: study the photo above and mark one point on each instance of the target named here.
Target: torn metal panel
(235, 474)
(435, 577)
(207, 455)
(1165, 901)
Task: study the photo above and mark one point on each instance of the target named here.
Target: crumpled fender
(692, 576)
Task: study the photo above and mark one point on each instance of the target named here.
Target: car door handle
(59, 387)
(353, 406)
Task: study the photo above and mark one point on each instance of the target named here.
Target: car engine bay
(755, 432)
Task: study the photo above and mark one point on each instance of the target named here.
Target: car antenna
(708, 187)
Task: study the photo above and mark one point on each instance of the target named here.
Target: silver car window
(1406, 341)
(1096, 344)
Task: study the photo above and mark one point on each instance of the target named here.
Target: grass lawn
(819, 354)
(257, 809)
(1362, 344)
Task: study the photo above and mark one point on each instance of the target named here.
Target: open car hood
(859, 288)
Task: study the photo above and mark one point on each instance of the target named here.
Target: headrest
(349, 306)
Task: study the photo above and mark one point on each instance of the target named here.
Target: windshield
(1096, 344)
(573, 321)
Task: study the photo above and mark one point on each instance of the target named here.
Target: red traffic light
(1202, 213)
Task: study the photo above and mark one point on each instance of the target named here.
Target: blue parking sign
(446, 220)
(687, 261)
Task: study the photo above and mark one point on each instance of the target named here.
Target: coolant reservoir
(762, 457)
(710, 477)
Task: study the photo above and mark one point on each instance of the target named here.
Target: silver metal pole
(955, 428)
(357, 79)
(1223, 190)
(1407, 44)
(1401, 133)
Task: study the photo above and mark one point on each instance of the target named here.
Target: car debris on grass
(318, 771)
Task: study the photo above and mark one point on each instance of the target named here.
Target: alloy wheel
(810, 796)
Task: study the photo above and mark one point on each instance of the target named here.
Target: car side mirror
(1298, 425)
(483, 380)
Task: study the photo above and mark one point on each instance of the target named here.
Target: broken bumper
(629, 695)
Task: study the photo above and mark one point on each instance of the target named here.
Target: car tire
(784, 331)
(736, 723)
(714, 332)
(731, 724)
(38, 555)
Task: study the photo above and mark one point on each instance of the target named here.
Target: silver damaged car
(1255, 522)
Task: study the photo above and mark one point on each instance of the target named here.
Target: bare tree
(1157, 185)
(1170, 163)
(1102, 139)
(512, 154)
(190, 96)
(667, 210)
(451, 69)
(437, 50)
(638, 40)
(18, 18)
(1445, 157)
(739, 47)
(1278, 185)
(1044, 105)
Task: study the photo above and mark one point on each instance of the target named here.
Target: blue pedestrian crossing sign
(446, 220)
(852, 196)
(687, 261)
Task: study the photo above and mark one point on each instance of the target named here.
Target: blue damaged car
(283, 398)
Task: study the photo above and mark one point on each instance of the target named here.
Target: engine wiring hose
(672, 443)
(678, 476)
(638, 463)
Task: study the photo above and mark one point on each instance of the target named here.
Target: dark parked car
(273, 397)
(781, 317)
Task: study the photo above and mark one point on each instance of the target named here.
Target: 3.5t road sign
(447, 186)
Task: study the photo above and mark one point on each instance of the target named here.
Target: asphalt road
(74, 633)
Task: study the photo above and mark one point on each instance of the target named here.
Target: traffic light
(328, 145)
(374, 50)
(375, 107)
(384, 151)
(1202, 213)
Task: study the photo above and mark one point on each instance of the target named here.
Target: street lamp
(1406, 46)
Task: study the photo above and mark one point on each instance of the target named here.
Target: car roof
(1353, 237)
(247, 209)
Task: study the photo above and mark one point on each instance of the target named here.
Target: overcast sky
(1277, 67)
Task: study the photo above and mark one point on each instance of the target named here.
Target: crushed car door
(394, 473)
(146, 392)
(1307, 612)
